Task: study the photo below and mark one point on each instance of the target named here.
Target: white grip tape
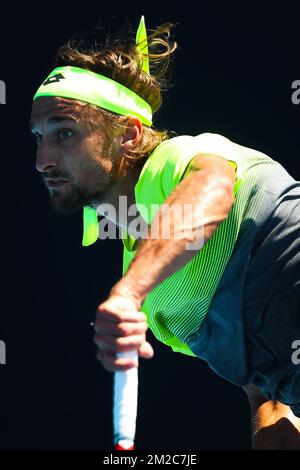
(125, 401)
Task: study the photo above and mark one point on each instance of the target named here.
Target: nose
(47, 157)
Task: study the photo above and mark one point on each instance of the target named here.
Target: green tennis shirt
(176, 308)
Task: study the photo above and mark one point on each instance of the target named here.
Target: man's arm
(120, 326)
(208, 185)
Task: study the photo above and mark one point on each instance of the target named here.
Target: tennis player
(224, 284)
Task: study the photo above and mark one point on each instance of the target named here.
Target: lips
(55, 183)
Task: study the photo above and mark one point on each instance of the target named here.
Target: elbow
(226, 200)
(222, 188)
(228, 195)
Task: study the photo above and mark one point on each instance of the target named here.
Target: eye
(64, 134)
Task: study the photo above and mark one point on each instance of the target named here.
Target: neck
(120, 197)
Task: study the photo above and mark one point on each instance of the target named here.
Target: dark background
(232, 75)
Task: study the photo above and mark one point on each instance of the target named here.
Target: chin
(64, 205)
(66, 198)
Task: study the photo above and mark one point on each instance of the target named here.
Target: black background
(232, 75)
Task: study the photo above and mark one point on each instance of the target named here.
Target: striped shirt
(176, 308)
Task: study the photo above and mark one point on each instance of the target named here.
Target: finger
(120, 329)
(112, 363)
(117, 316)
(146, 351)
(127, 343)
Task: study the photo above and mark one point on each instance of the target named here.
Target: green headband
(84, 85)
(89, 87)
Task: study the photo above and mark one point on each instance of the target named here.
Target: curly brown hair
(118, 58)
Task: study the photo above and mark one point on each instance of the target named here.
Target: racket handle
(125, 397)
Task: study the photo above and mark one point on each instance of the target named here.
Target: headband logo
(54, 79)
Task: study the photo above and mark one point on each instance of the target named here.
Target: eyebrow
(56, 119)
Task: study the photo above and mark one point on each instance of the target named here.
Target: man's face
(77, 161)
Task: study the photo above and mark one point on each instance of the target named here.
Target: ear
(132, 135)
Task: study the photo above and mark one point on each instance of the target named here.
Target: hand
(120, 327)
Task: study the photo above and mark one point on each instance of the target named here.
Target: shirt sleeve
(185, 148)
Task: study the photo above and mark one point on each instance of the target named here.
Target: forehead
(46, 106)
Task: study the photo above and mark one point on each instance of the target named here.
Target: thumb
(146, 350)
